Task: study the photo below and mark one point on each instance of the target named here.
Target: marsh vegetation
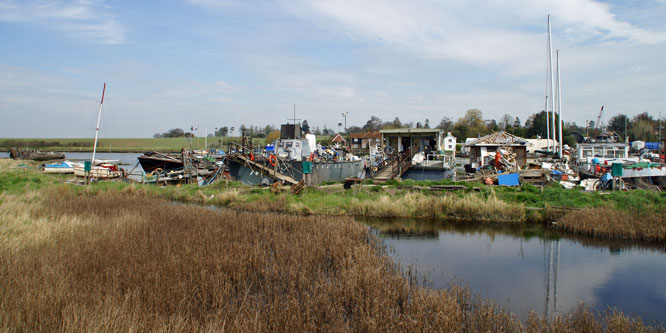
(121, 260)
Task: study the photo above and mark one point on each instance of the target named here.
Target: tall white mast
(99, 116)
(545, 107)
(552, 79)
(559, 100)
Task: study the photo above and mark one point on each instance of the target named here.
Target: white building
(450, 143)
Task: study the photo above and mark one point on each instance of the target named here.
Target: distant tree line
(471, 124)
(11, 143)
(174, 133)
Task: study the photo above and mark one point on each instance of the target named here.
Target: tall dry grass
(613, 223)
(418, 204)
(124, 261)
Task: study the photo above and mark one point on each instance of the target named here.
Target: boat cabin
(413, 140)
(585, 152)
(295, 149)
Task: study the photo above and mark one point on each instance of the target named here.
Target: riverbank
(634, 215)
(159, 266)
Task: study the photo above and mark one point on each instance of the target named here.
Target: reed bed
(613, 223)
(126, 261)
(418, 204)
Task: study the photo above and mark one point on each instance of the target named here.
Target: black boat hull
(150, 164)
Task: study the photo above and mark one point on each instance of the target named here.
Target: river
(126, 161)
(531, 267)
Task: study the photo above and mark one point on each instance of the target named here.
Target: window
(450, 140)
(587, 152)
(288, 144)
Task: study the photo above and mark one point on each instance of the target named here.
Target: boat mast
(552, 79)
(559, 100)
(545, 107)
(99, 116)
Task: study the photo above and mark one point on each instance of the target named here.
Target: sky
(212, 63)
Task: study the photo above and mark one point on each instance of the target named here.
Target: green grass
(118, 144)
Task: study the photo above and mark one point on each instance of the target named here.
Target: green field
(118, 144)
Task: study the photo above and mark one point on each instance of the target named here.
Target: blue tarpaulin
(511, 179)
(652, 145)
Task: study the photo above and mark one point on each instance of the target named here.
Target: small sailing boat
(98, 169)
(62, 167)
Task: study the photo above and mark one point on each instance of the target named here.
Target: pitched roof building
(483, 149)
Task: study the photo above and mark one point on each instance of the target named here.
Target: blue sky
(211, 63)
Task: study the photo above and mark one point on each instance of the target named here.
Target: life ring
(155, 172)
(272, 160)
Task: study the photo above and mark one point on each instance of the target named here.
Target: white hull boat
(102, 171)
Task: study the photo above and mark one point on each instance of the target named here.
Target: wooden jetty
(393, 168)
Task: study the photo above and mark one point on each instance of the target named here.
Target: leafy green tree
(445, 124)
(470, 125)
(517, 129)
(644, 127)
(222, 131)
(273, 136)
(374, 124)
(492, 126)
(396, 123)
(305, 127)
(536, 126)
(617, 124)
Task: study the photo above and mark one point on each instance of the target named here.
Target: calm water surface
(126, 161)
(526, 268)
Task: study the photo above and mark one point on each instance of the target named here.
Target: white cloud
(87, 18)
(490, 32)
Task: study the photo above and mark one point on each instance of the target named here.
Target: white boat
(100, 171)
(62, 167)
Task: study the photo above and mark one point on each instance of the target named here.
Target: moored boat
(35, 155)
(152, 161)
(62, 167)
(99, 171)
(293, 158)
(320, 171)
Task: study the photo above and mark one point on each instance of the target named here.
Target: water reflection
(531, 267)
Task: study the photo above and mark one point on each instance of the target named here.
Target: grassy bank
(72, 260)
(633, 215)
(119, 144)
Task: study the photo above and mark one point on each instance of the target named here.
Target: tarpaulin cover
(511, 179)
